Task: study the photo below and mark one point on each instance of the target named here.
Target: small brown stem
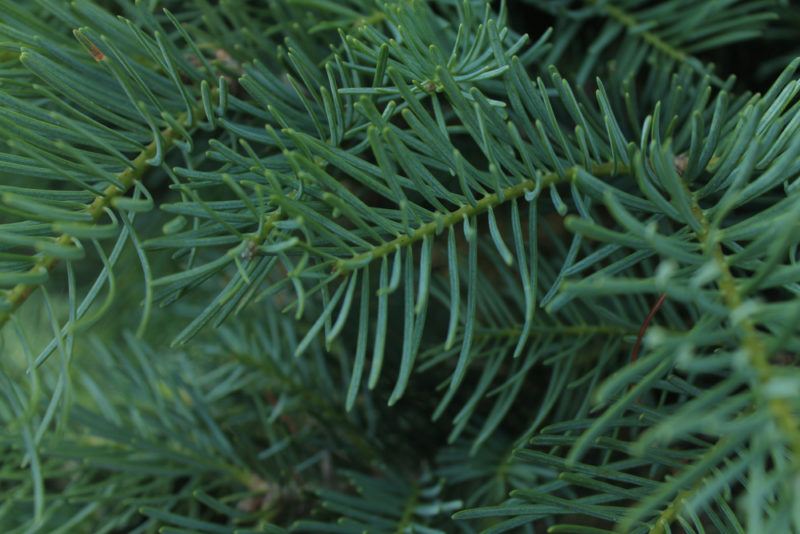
(645, 325)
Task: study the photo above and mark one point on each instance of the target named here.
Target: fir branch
(16, 296)
(309, 229)
(555, 329)
(631, 24)
(482, 205)
(752, 341)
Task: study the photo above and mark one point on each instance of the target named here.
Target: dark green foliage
(361, 266)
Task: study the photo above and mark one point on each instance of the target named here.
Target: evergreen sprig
(401, 266)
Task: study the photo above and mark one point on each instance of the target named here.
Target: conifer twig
(446, 220)
(16, 296)
(630, 22)
(754, 346)
(634, 26)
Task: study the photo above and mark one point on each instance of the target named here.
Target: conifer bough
(399, 266)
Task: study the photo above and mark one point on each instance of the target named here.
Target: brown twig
(645, 325)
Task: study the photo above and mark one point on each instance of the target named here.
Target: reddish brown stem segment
(645, 324)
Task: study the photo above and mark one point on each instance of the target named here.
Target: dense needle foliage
(399, 266)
